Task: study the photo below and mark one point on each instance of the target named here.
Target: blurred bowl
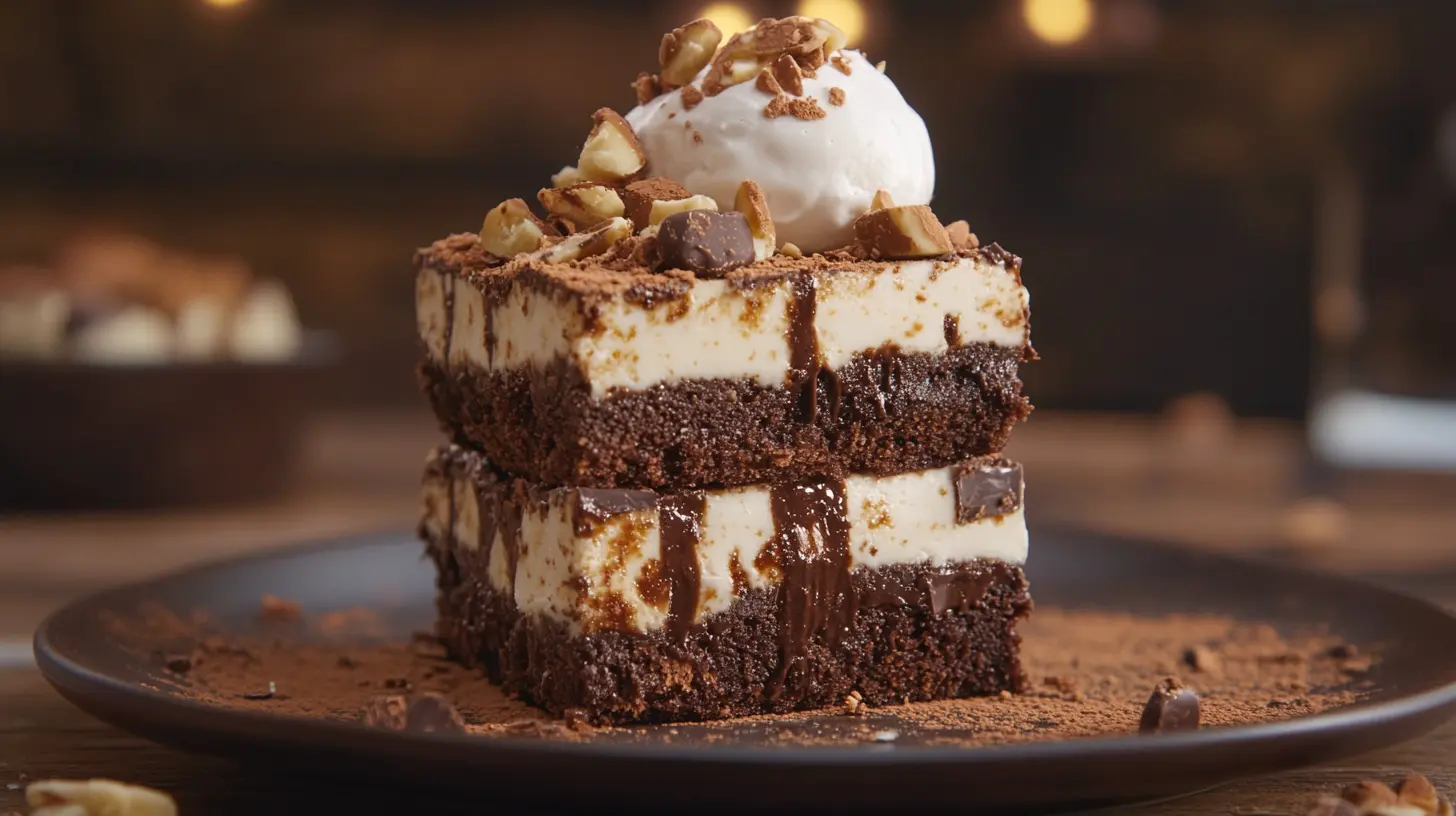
(79, 436)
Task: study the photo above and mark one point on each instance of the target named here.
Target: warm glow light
(730, 18)
(1059, 22)
(224, 3)
(849, 15)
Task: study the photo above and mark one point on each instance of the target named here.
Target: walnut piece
(686, 50)
(511, 228)
(902, 233)
(754, 205)
(612, 153)
(663, 209)
(585, 205)
(586, 244)
(96, 797)
(961, 236)
(805, 41)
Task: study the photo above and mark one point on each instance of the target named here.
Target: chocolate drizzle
(816, 600)
(987, 487)
(679, 524)
(805, 358)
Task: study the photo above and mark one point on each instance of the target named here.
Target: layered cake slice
(633, 605)
(600, 374)
(726, 408)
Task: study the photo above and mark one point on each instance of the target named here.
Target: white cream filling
(721, 332)
(579, 579)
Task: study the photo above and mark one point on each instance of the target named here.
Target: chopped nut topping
(792, 251)
(767, 83)
(612, 152)
(511, 228)
(686, 50)
(96, 797)
(584, 205)
(639, 196)
(854, 704)
(789, 75)
(647, 87)
(842, 64)
(663, 209)
(880, 66)
(806, 41)
(754, 205)
(585, 244)
(902, 233)
(836, 96)
(566, 177)
(961, 236)
(881, 201)
(691, 97)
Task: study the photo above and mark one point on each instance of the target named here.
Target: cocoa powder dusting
(1090, 674)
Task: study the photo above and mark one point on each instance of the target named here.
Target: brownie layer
(598, 376)
(893, 587)
(918, 633)
(886, 412)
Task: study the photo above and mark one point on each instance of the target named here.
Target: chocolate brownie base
(886, 412)
(919, 633)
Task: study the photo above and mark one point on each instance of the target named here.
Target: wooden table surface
(1240, 488)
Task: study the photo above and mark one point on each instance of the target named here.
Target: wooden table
(1232, 488)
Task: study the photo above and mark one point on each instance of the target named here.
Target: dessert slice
(638, 606)
(601, 373)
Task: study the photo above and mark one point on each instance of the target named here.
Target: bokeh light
(1058, 22)
(730, 18)
(224, 3)
(849, 15)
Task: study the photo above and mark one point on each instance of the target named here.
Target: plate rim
(79, 683)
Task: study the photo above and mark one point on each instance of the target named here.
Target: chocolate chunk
(704, 242)
(386, 711)
(179, 664)
(1170, 708)
(433, 713)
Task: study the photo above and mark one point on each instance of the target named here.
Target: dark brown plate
(1415, 690)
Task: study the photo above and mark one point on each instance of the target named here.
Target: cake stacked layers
(703, 462)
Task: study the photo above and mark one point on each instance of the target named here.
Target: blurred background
(1238, 218)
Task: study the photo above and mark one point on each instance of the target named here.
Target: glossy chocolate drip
(816, 601)
(987, 487)
(954, 586)
(805, 359)
(596, 506)
(680, 528)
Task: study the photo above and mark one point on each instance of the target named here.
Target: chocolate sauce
(595, 506)
(805, 358)
(817, 602)
(680, 528)
(987, 487)
(487, 305)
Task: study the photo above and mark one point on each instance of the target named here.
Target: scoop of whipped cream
(817, 174)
